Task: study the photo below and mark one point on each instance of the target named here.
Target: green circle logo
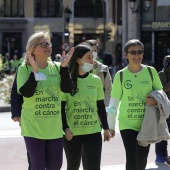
(127, 84)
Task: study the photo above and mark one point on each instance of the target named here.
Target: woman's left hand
(68, 134)
(150, 101)
(66, 57)
(106, 135)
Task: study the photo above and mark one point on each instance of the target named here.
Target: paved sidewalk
(13, 152)
(4, 107)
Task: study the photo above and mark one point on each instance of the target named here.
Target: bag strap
(121, 76)
(150, 72)
(104, 75)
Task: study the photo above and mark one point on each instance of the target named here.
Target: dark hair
(131, 43)
(79, 51)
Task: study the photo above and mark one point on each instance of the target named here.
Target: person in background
(102, 71)
(16, 107)
(6, 63)
(82, 107)
(57, 57)
(126, 91)
(41, 83)
(14, 64)
(161, 147)
(22, 58)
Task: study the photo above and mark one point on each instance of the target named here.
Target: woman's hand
(68, 134)
(112, 133)
(32, 61)
(66, 57)
(16, 119)
(106, 135)
(150, 101)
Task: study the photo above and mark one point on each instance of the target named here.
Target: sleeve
(64, 120)
(102, 114)
(112, 110)
(107, 87)
(100, 92)
(16, 101)
(157, 85)
(26, 83)
(66, 81)
(163, 78)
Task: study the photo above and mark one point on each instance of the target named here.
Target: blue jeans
(161, 147)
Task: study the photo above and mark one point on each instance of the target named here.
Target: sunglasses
(136, 52)
(44, 44)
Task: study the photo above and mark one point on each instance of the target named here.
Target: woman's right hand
(68, 134)
(16, 119)
(32, 61)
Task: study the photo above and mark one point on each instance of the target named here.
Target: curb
(5, 108)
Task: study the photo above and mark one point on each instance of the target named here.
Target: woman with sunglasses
(132, 91)
(82, 107)
(41, 83)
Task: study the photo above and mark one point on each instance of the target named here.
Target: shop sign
(163, 2)
(160, 25)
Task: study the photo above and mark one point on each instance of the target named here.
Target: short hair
(92, 42)
(132, 42)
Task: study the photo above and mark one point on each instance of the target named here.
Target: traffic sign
(66, 46)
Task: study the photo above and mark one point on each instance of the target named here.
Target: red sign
(66, 46)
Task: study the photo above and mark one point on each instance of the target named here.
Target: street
(13, 152)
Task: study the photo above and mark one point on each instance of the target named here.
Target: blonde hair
(33, 41)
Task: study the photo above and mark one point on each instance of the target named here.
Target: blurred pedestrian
(6, 63)
(16, 107)
(57, 57)
(22, 58)
(101, 70)
(82, 107)
(126, 91)
(14, 64)
(40, 82)
(161, 147)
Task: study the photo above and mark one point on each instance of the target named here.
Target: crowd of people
(65, 104)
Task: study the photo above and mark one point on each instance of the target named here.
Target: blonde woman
(41, 83)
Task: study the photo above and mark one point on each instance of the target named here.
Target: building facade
(111, 22)
(69, 21)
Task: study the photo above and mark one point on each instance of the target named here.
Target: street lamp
(68, 13)
(135, 10)
(140, 10)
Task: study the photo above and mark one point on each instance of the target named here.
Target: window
(56, 44)
(89, 8)
(12, 8)
(48, 8)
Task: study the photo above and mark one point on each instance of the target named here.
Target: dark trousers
(45, 153)
(161, 147)
(92, 144)
(136, 155)
(29, 161)
(84, 161)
